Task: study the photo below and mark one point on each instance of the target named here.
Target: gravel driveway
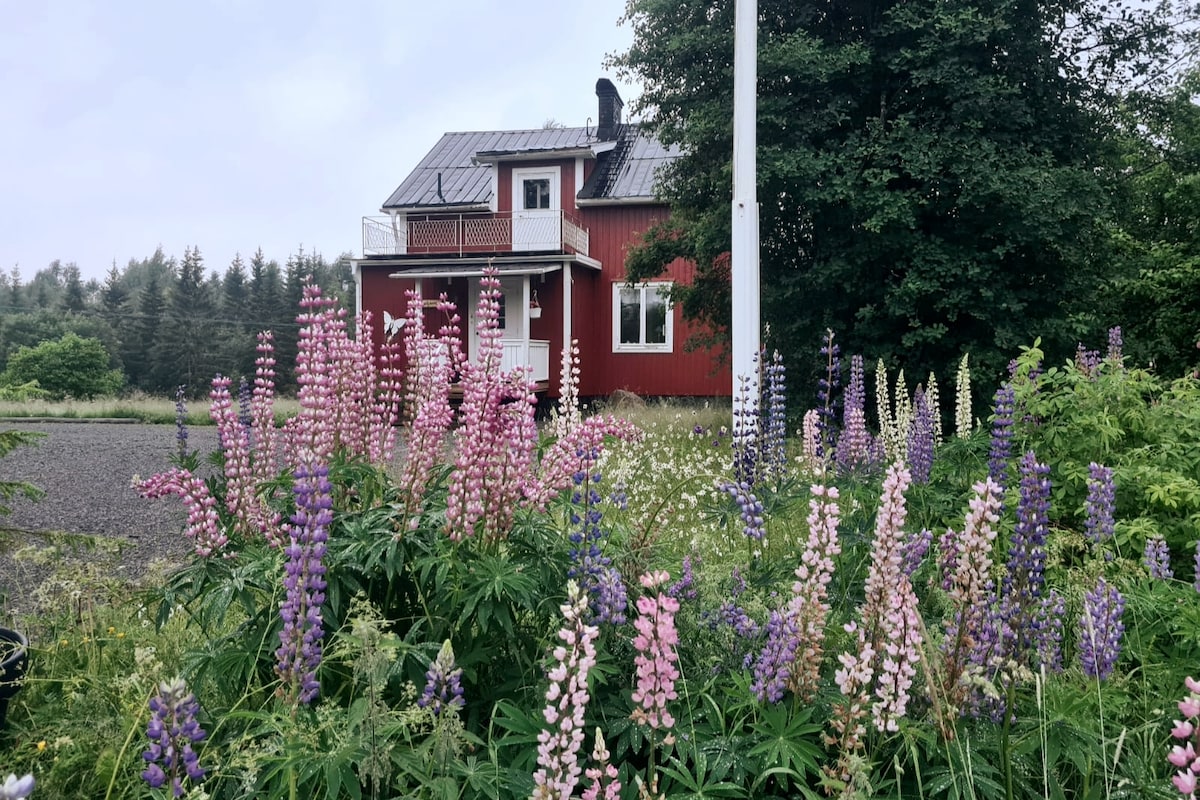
(85, 468)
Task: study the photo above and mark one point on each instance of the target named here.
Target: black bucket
(14, 659)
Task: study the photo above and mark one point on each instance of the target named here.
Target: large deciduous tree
(934, 175)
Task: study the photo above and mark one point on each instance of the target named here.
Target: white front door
(537, 221)
(512, 312)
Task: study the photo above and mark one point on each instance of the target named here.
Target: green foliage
(9, 441)
(68, 367)
(918, 195)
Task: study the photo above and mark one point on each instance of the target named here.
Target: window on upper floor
(642, 319)
(537, 193)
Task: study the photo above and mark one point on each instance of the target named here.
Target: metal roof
(624, 171)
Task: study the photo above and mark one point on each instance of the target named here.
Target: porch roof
(475, 267)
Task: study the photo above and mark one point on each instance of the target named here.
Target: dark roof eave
(428, 209)
(584, 202)
(496, 156)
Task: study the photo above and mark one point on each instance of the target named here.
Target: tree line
(166, 322)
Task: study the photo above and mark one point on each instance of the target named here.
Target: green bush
(67, 367)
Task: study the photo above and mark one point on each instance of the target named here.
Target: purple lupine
(685, 587)
(1116, 345)
(1026, 569)
(1196, 561)
(1157, 558)
(172, 731)
(15, 788)
(443, 683)
(181, 429)
(736, 617)
(1087, 361)
(853, 451)
(1002, 423)
(921, 439)
(773, 447)
(609, 597)
(913, 551)
(1099, 505)
(593, 570)
(245, 400)
(1100, 630)
(1048, 631)
(300, 649)
(750, 509)
(746, 426)
(827, 386)
(773, 668)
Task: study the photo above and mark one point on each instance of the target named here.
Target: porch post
(566, 306)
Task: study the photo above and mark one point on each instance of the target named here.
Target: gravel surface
(86, 468)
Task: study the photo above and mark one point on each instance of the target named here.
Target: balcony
(461, 234)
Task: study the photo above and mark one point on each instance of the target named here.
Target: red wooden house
(553, 210)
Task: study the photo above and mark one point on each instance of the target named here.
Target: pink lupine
(656, 659)
(1184, 755)
(809, 605)
(566, 455)
(431, 365)
(853, 681)
(967, 558)
(262, 411)
(558, 770)
(202, 523)
(566, 415)
(240, 483)
(810, 459)
(497, 436)
(604, 784)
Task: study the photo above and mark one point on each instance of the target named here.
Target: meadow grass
(139, 407)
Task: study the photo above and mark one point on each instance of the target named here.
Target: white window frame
(642, 347)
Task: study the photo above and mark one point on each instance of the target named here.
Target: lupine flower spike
(656, 657)
(1184, 756)
(566, 701)
(962, 400)
(1100, 630)
(172, 731)
(15, 788)
(1157, 558)
(443, 683)
(604, 784)
(300, 649)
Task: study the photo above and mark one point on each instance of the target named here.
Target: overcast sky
(234, 124)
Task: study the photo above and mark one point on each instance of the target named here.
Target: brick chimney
(611, 105)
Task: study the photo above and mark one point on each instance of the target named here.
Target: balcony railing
(474, 233)
(533, 354)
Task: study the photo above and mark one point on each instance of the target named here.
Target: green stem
(137, 724)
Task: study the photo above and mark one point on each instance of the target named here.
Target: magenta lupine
(809, 605)
(496, 437)
(561, 460)
(566, 701)
(1100, 630)
(172, 730)
(240, 483)
(431, 366)
(1186, 756)
(604, 784)
(1099, 504)
(202, 522)
(656, 657)
(264, 461)
(300, 640)
(443, 683)
(921, 439)
(1157, 558)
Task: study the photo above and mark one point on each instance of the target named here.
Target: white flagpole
(746, 321)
